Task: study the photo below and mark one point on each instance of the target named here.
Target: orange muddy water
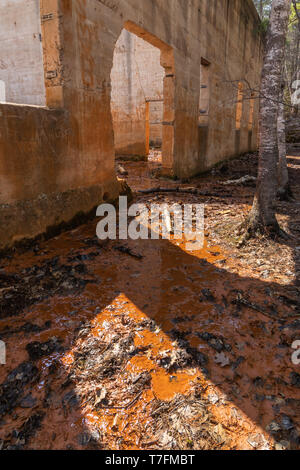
(240, 357)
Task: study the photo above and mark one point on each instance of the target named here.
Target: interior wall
(21, 61)
(136, 78)
(62, 157)
(232, 45)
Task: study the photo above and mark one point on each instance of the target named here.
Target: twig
(128, 251)
(124, 407)
(193, 191)
(240, 300)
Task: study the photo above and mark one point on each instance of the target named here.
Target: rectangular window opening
(204, 92)
(239, 107)
(251, 113)
(22, 68)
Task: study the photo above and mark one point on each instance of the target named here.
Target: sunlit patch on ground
(177, 349)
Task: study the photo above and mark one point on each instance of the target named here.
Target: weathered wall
(136, 77)
(21, 60)
(229, 45)
(57, 161)
(232, 45)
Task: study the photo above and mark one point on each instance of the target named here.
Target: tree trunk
(295, 5)
(261, 9)
(283, 175)
(262, 216)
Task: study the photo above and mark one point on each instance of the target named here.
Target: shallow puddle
(138, 335)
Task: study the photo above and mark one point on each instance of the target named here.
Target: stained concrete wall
(21, 58)
(137, 77)
(230, 47)
(58, 161)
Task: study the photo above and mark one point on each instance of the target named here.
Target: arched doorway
(142, 98)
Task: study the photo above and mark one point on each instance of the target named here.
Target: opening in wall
(251, 112)
(204, 92)
(154, 129)
(142, 97)
(2, 92)
(21, 54)
(239, 106)
(137, 96)
(250, 121)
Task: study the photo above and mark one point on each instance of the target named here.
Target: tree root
(286, 194)
(255, 228)
(177, 189)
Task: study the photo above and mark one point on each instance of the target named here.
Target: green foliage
(292, 54)
(264, 25)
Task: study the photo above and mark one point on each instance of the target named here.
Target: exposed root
(286, 194)
(254, 227)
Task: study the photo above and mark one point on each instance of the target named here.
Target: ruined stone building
(84, 80)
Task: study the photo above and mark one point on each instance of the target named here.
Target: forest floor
(145, 345)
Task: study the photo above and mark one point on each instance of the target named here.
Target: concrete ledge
(47, 215)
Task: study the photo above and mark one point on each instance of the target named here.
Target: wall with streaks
(58, 161)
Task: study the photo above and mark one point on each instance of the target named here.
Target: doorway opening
(154, 135)
(142, 97)
(21, 61)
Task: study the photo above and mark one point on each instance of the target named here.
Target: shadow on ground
(146, 348)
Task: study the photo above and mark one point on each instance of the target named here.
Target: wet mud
(144, 345)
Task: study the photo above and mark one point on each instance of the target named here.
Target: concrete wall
(136, 78)
(59, 160)
(21, 58)
(230, 50)
(232, 45)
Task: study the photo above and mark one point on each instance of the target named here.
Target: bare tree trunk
(295, 6)
(284, 191)
(261, 9)
(262, 216)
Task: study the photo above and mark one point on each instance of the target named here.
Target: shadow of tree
(206, 309)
